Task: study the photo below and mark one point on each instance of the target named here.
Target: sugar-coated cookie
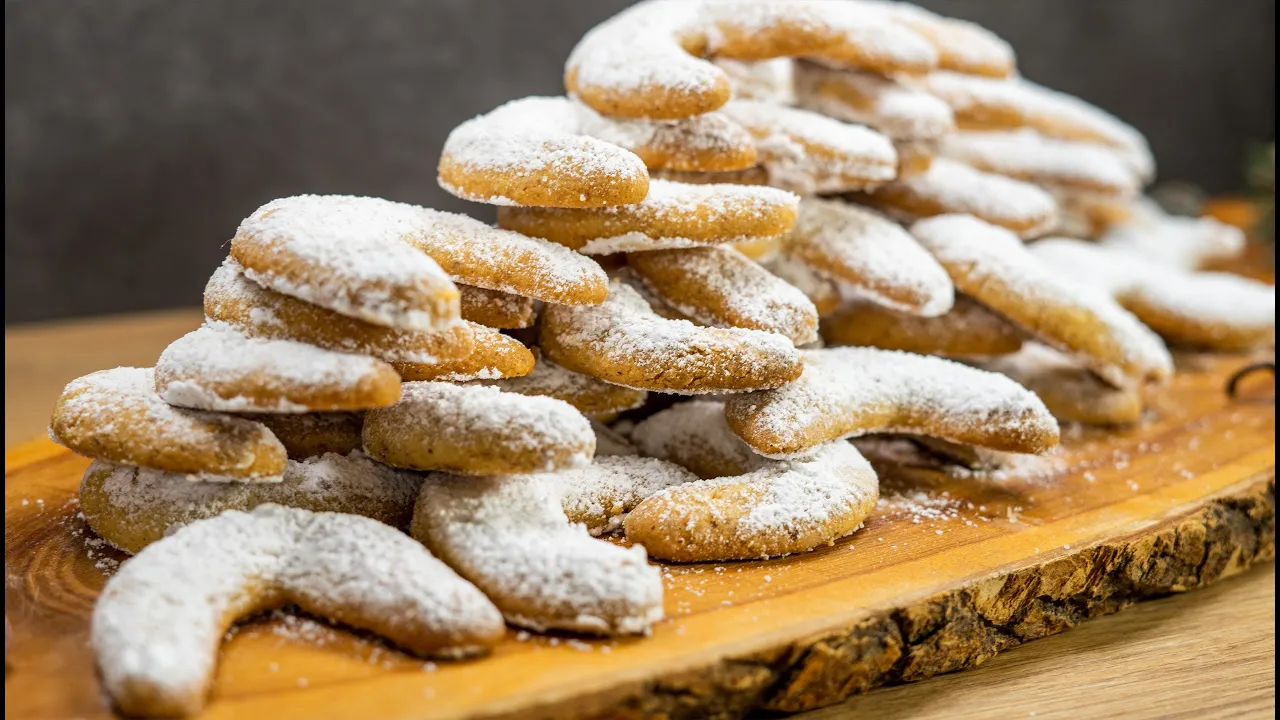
(494, 259)
(845, 392)
(695, 436)
(116, 415)
(720, 287)
(600, 495)
(493, 356)
(159, 621)
(253, 310)
(346, 254)
(644, 61)
(132, 507)
(823, 292)
(497, 309)
(673, 215)
(509, 535)
(557, 152)
(967, 330)
(592, 397)
(530, 152)
(477, 430)
(1181, 242)
(770, 80)
(1205, 310)
(901, 112)
(810, 153)
(780, 508)
(1068, 389)
(623, 341)
(312, 434)
(983, 103)
(994, 267)
(216, 368)
(751, 176)
(871, 253)
(962, 46)
(1057, 164)
(952, 187)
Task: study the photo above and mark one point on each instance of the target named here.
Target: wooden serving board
(947, 573)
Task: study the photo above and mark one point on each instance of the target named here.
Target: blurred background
(139, 132)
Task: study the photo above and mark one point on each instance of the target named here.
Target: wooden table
(1206, 654)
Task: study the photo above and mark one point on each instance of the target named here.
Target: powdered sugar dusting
(156, 502)
(530, 137)
(811, 153)
(720, 287)
(509, 535)
(695, 435)
(958, 188)
(159, 621)
(200, 369)
(1051, 112)
(120, 408)
(992, 255)
(600, 495)
(872, 253)
(1027, 155)
(901, 112)
(846, 392)
(351, 257)
(1180, 242)
(625, 331)
(589, 395)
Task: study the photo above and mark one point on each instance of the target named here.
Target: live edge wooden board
(946, 574)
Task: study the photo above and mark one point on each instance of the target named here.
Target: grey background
(139, 132)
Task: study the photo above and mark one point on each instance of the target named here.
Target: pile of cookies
(717, 203)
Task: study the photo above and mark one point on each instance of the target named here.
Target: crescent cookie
(720, 287)
(345, 254)
(594, 398)
(673, 215)
(903, 113)
(1207, 310)
(133, 507)
(781, 508)
(159, 622)
(1063, 165)
(645, 61)
(477, 430)
(810, 153)
(494, 259)
(1180, 242)
(623, 341)
(871, 253)
(509, 535)
(769, 80)
(556, 152)
(962, 46)
(1072, 393)
(1008, 104)
(846, 392)
(600, 495)
(116, 415)
(695, 436)
(821, 291)
(496, 309)
(968, 330)
(996, 269)
(311, 434)
(493, 356)
(952, 187)
(253, 310)
(220, 369)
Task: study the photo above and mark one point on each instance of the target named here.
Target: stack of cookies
(716, 203)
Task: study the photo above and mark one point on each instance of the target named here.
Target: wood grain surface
(947, 574)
